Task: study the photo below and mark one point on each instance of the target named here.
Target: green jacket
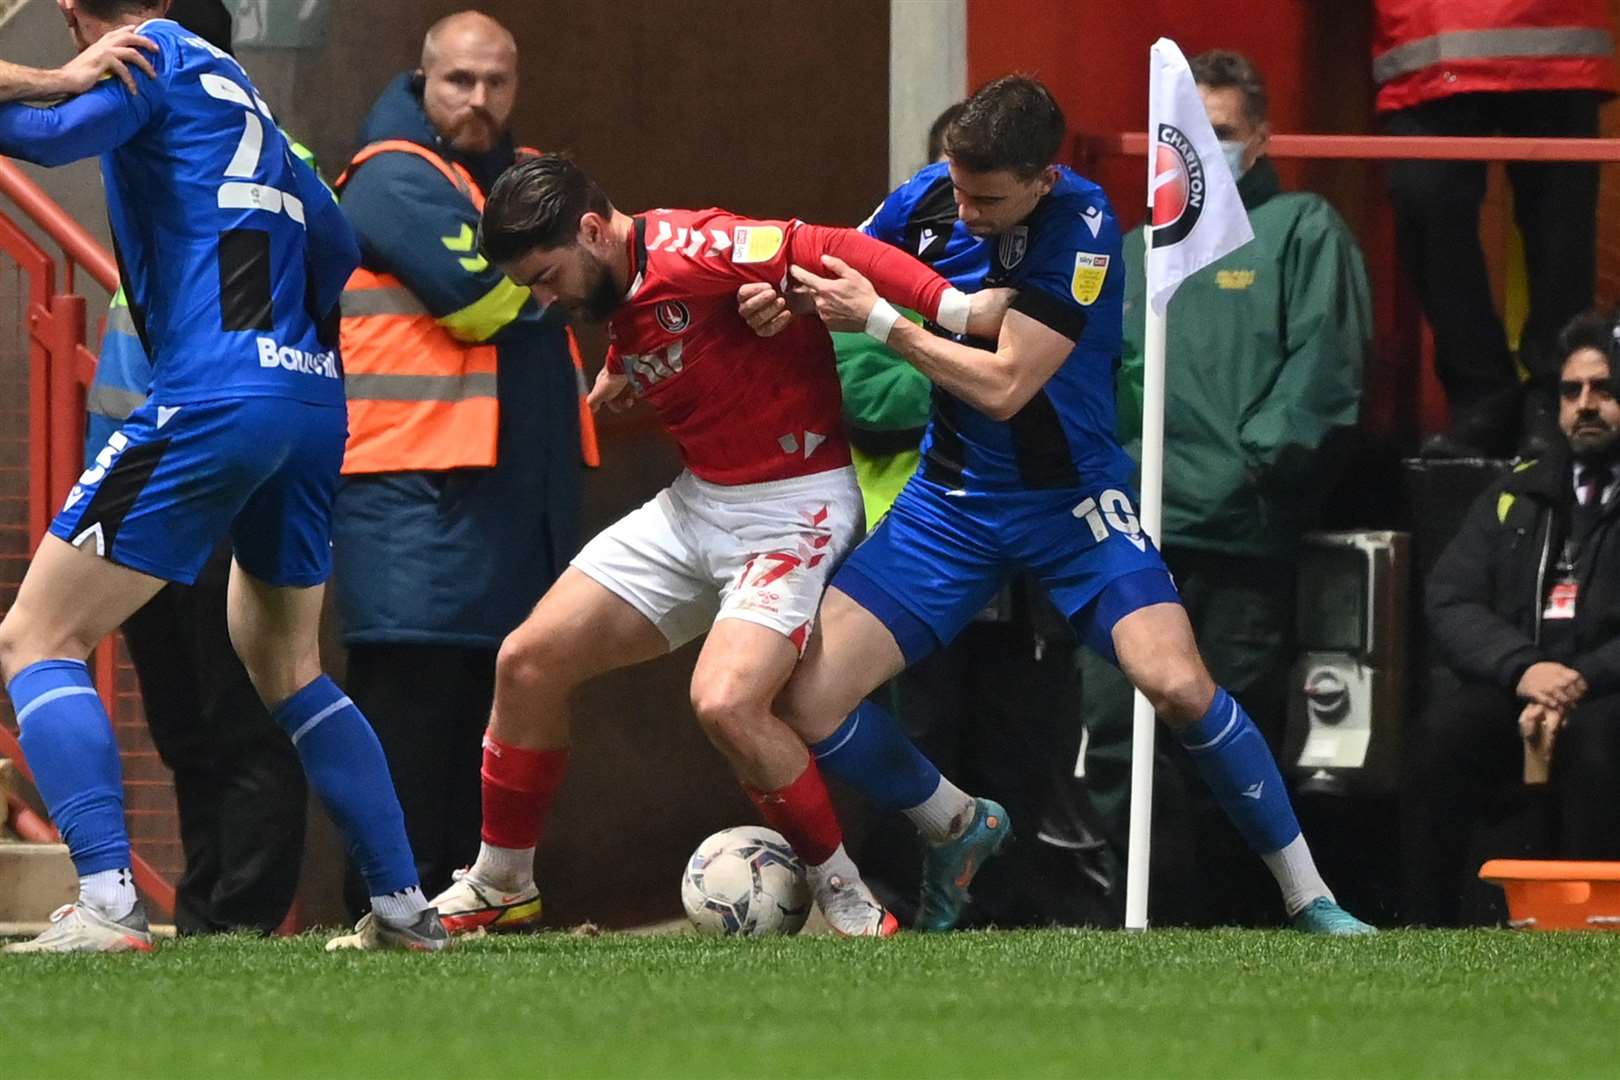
(886, 406)
(1263, 360)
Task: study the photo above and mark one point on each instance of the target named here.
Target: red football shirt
(743, 409)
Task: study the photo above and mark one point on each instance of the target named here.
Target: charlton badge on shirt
(673, 316)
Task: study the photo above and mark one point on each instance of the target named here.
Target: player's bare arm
(611, 391)
(113, 55)
(768, 312)
(998, 383)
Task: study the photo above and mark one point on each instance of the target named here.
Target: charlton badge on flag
(1178, 187)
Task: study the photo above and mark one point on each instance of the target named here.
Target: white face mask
(1234, 150)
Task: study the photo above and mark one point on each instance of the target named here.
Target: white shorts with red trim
(699, 552)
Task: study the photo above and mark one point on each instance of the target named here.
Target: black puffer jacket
(1484, 597)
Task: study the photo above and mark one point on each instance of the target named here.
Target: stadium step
(35, 880)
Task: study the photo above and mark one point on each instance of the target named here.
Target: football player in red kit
(739, 547)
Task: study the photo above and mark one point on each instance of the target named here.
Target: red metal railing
(60, 368)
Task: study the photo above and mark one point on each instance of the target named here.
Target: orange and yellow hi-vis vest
(419, 398)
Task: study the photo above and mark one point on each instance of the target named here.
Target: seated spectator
(1524, 607)
(1263, 380)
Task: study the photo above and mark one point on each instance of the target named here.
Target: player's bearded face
(573, 278)
(601, 291)
(990, 203)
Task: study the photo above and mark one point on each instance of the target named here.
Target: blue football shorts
(175, 480)
(940, 555)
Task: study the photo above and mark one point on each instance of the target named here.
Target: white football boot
(469, 905)
(849, 906)
(79, 928)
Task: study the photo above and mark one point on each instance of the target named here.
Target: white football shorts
(699, 552)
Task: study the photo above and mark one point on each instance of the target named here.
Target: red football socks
(518, 788)
(803, 813)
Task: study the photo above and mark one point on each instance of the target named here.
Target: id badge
(1561, 600)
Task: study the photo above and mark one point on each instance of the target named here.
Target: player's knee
(24, 641)
(1180, 691)
(531, 661)
(728, 710)
(279, 673)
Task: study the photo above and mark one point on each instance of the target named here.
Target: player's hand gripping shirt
(231, 250)
(743, 409)
(1064, 260)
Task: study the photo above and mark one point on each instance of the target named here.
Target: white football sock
(1296, 875)
(509, 869)
(944, 815)
(401, 908)
(838, 865)
(111, 892)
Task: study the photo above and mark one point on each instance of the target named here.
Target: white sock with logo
(111, 892)
(944, 815)
(1296, 875)
(838, 865)
(401, 908)
(509, 869)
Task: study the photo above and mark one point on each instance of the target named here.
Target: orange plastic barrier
(1546, 894)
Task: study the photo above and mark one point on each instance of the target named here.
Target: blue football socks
(1234, 760)
(69, 744)
(347, 769)
(871, 753)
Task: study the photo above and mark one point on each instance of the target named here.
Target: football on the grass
(745, 881)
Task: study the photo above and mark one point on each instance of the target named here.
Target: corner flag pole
(1139, 844)
(1195, 217)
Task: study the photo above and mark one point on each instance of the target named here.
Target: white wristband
(882, 320)
(954, 307)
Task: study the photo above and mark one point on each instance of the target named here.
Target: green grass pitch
(1047, 1003)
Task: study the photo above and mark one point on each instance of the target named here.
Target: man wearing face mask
(1524, 607)
(460, 496)
(1263, 363)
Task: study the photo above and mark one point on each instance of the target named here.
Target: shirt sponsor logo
(755, 243)
(272, 355)
(1090, 271)
(673, 316)
(1013, 245)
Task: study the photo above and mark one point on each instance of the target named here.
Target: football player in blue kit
(234, 256)
(1021, 469)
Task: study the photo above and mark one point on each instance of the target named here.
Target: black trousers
(429, 705)
(1203, 874)
(1466, 800)
(1437, 236)
(237, 781)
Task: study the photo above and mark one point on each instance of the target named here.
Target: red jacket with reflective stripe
(1428, 49)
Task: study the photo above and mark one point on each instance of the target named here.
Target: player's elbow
(1007, 399)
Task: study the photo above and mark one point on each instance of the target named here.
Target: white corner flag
(1196, 214)
(1194, 218)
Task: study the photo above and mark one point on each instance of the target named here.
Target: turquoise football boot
(948, 868)
(1323, 916)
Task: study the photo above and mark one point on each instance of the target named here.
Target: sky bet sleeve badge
(755, 243)
(1090, 271)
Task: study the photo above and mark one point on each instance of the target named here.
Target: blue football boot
(948, 868)
(1323, 916)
